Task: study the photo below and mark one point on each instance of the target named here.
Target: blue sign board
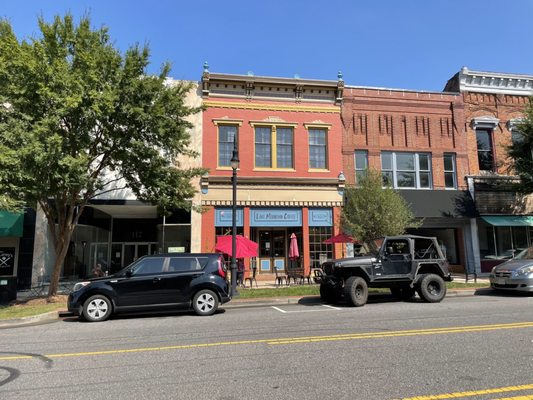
(276, 217)
(223, 217)
(320, 217)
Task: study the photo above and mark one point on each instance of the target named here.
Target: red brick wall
(379, 120)
(503, 107)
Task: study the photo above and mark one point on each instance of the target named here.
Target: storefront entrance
(272, 249)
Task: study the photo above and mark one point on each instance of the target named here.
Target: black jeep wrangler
(404, 264)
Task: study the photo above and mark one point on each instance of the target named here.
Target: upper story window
(406, 170)
(485, 155)
(361, 165)
(227, 134)
(318, 148)
(274, 147)
(484, 127)
(450, 174)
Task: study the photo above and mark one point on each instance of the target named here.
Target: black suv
(404, 264)
(156, 281)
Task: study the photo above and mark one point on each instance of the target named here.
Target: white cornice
(495, 82)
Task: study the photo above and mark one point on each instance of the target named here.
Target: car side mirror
(129, 273)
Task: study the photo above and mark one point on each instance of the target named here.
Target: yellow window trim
(323, 170)
(274, 169)
(267, 124)
(237, 122)
(317, 126)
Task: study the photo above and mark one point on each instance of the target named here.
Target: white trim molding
(486, 121)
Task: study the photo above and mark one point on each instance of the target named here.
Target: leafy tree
(521, 152)
(371, 211)
(78, 117)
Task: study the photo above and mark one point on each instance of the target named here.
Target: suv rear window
(184, 264)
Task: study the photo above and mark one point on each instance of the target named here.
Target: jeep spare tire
(356, 291)
(431, 288)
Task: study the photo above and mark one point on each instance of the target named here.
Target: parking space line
(328, 306)
(279, 309)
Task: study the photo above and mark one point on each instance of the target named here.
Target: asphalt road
(463, 347)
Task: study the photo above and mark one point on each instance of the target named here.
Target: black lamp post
(234, 165)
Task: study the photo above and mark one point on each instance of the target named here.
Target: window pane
(317, 157)
(449, 180)
(387, 178)
(406, 179)
(226, 136)
(386, 161)
(361, 174)
(317, 136)
(262, 147)
(425, 181)
(423, 162)
(483, 140)
(284, 147)
(149, 266)
(405, 162)
(448, 162)
(360, 160)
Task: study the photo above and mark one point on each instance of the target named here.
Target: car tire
(97, 308)
(431, 288)
(205, 302)
(356, 291)
(328, 294)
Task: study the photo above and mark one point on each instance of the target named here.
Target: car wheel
(97, 308)
(205, 302)
(328, 294)
(356, 291)
(431, 288)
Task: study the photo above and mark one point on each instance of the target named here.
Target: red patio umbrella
(293, 248)
(244, 247)
(340, 238)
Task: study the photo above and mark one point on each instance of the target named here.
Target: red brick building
(289, 137)
(494, 104)
(417, 140)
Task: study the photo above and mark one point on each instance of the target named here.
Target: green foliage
(371, 211)
(78, 118)
(521, 152)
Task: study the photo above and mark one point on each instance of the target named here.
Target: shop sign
(276, 217)
(223, 217)
(7, 260)
(320, 217)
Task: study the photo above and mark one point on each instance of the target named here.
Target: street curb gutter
(33, 320)
(236, 303)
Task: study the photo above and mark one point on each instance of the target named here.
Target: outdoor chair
(279, 277)
(251, 278)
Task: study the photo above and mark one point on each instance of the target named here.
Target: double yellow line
(482, 392)
(293, 340)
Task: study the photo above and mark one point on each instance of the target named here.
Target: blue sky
(412, 44)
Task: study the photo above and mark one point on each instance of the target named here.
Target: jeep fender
(426, 268)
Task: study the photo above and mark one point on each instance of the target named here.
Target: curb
(33, 320)
(234, 304)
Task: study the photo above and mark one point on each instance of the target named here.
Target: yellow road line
(482, 392)
(294, 340)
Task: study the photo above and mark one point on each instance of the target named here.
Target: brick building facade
(417, 140)
(494, 104)
(289, 134)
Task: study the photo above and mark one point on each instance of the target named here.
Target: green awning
(11, 224)
(509, 220)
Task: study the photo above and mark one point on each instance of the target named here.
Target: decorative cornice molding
(495, 82)
(272, 107)
(486, 121)
(273, 203)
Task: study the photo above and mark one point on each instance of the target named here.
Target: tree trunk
(61, 249)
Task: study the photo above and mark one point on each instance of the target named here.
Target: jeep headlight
(80, 285)
(524, 270)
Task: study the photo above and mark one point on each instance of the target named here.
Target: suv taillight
(221, 268)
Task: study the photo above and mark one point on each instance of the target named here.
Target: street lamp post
(234, 165)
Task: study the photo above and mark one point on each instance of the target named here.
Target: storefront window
(318, 250)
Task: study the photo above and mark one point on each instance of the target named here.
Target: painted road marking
(482, 392)
(306, 310)
(293, 340)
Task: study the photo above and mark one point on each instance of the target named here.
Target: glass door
(272, 249)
